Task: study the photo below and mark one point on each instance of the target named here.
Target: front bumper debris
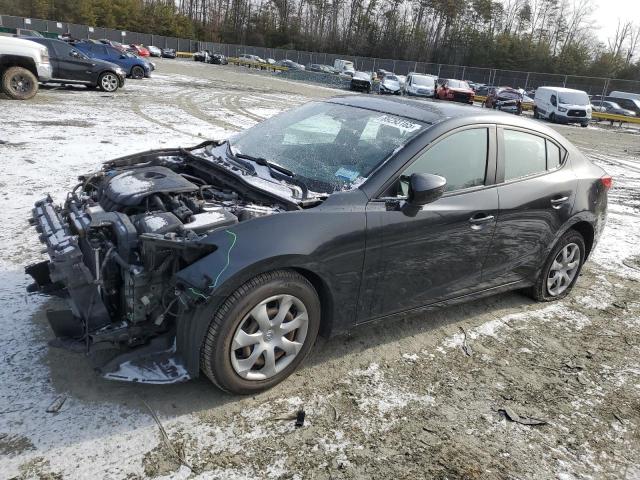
(72, 271)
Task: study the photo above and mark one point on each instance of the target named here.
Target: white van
(420, 85)
(563, 105)
(630, 96)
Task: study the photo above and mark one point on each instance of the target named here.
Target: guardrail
(594, 115)
(614, 118)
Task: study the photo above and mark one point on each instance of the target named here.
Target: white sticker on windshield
(346, 174)
(400, 123)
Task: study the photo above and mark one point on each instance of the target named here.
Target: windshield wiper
(266, 163)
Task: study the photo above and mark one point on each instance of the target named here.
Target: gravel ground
(431, 396)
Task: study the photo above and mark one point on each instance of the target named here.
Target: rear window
(526, 154)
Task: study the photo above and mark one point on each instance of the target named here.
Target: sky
(607, 13)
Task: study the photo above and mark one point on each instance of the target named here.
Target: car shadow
(71, 373)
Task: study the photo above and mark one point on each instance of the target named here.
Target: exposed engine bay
(120, 236)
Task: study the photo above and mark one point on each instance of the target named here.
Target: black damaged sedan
(229, 258)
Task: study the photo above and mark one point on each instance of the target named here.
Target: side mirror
(425, 188)
(123, 56)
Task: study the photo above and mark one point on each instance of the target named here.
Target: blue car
(135, 67)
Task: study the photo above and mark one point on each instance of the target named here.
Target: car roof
(561, 89)
(433, 112)
(19, 41)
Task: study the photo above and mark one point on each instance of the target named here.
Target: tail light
(607, 182)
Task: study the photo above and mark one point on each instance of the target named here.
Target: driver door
(438, 252)
(72, 65)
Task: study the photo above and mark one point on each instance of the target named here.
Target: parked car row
(25, 62)
(207, 56)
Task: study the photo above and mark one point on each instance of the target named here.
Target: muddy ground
(497, 388)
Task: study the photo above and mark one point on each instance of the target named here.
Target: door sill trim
(453, 300)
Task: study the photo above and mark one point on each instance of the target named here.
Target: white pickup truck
(22, 65)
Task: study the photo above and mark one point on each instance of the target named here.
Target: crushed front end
(115, 245)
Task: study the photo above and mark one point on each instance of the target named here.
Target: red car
(455, 90)
(140, 50)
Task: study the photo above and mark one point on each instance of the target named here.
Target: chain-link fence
(488, 76)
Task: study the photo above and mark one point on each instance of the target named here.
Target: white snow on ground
(102, 439)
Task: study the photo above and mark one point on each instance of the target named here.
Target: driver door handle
(481, 218)
(557, 202)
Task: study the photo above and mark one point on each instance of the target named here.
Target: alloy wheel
(109, 82)
(269, 337)
(563, 269)
(20, 84)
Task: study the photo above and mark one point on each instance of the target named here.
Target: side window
(554, 155)
(113, 52)
(554, 100)
(524, 154)
(461, 158)
(62, 49)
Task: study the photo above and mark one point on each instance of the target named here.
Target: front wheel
(19, 83)
(536, 115)
(108, 82)
(137, 72)
(561, 269)
(261, 333)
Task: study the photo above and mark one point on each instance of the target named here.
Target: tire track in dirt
(136, 108)
(232, 102)
(186, 103)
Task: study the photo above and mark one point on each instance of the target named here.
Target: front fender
(326, 243)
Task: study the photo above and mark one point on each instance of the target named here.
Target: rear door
(536, 190)
(421, 257)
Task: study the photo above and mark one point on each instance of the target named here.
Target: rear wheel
(561, 269)
(19, 83)
(108, 82)
(261, 333)
(137, 72)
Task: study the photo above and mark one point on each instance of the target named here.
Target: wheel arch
(326, 298)
(192, 327)
(8, 61)
(587, 231)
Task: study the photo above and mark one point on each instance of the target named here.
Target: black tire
(215, 356)
(108, 82)
(18, 83)
(539, 291)
(552, 117)
(536, 115)
(137, 72)
(585, 125)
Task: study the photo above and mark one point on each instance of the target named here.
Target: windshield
(458, 84)
(393, 78)
(573, 98)
(327, 146)
(423, 81)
